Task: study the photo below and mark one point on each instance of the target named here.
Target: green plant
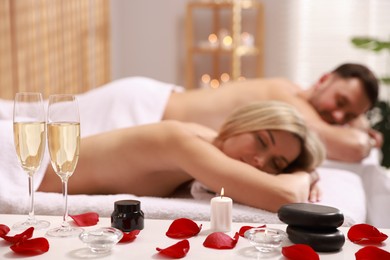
(382, 109)
(374, 45)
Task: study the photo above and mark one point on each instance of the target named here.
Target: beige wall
(303, 38)
(148, 39)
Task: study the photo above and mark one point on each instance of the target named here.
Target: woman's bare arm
(242, 182)
(153, 160)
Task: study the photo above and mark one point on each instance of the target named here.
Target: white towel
(123, 103)
(342, 189)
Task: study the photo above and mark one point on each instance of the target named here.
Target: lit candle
(214, 83)
(227, 42)
(221, 213)
(205, 81)
(213, 40)
(225, 77)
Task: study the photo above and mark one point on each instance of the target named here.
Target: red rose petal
(178, 250)
(86, 219)
(372, 253)
(219, 240)
(183, 228)
(129, 236)
(20, 237)
(364, 233)
(31, 246)
(243, 229)
(4, 230)
(300, 252)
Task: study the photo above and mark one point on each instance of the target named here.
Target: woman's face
(268, 150)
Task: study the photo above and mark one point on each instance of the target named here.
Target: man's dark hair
(362, 73)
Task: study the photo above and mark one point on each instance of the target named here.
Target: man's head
(345, 93)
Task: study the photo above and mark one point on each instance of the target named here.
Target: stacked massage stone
(314, 225)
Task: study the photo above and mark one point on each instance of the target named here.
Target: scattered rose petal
(86, 219)
(364, 233)
(20, 237)
(183, 228)
(31, 246)
(129, 236)
(178, 250)
(243, 229)
(300, 252)
(4, 230)
(219, 240)
(372, 253)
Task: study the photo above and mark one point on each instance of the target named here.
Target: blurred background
(76, 45)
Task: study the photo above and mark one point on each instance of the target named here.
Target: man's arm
(362, 123)
(342, 143)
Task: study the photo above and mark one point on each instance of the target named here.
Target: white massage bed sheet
(376, 184)
(342, 189)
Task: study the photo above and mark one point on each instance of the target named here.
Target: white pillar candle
(221, 213)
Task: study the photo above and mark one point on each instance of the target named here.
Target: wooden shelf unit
(236, 51)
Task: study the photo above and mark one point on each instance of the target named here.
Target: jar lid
(127, 205)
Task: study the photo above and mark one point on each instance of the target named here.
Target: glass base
(36, 224)
(64, 232)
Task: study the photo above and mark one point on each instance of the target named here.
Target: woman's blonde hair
(275, 115)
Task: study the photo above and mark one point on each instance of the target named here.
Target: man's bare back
(210, 107)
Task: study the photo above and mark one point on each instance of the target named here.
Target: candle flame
(206, 78)
(214, 83)
(213, 38)
(222, 192)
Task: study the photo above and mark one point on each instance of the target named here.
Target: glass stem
(31, 215)
(65, 224)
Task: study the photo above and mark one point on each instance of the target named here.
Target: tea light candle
(221, 213)
(265, 239)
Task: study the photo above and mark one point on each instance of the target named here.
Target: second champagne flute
(63, 134)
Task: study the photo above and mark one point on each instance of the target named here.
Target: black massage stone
(320, 240)
(309, 215)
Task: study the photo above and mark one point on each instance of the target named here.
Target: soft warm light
(241, 78)
(247, 39)
(206, 78)
(222, 192)
(214, 83)
(213, 38)
(227, 41)
(225, 77)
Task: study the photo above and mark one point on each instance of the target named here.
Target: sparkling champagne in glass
(30, 141)
(63, 133)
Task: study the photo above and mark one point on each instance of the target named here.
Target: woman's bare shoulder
(179, 129)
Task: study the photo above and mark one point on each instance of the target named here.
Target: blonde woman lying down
(250, 157)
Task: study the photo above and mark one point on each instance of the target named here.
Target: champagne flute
(30, 140)
(63, 133)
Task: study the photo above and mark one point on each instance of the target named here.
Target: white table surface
(152, 236)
